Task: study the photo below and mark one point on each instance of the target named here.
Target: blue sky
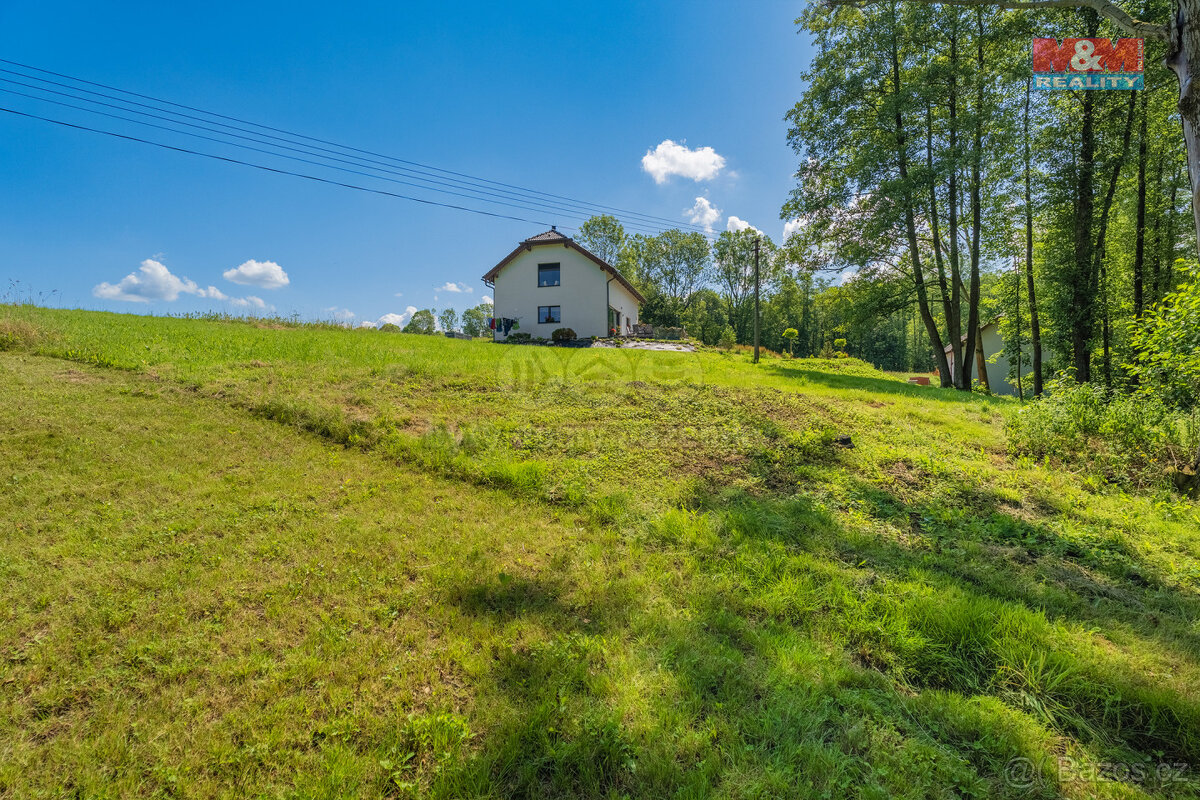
(563, 99)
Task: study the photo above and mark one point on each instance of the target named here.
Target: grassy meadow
(249, 559)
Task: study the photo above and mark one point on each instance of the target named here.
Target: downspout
(492, 286)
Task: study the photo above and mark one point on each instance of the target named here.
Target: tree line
(928, 162)
(937, 192)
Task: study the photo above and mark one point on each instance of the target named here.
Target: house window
(549, 314)
(547, 274)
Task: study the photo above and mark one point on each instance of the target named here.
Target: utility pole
(756, 242)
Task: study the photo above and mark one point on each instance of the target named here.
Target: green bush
(563, 335)
(728, 338)
(1168, 345)
(422, 322)
(1128, 440)
(518, 338)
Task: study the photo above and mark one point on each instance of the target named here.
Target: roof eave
(490, 276)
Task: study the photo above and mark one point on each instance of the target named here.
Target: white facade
(588, 296)
(999, 362)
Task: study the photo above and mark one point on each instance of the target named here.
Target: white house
(550, 281)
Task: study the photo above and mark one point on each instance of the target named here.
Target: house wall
(997, 363)
(623, 301)
(580, 294)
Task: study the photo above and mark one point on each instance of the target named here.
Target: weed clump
(1134, 441)
(17, 334)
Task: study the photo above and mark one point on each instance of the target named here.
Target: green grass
(255, 561)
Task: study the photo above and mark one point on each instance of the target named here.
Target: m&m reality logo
(1087, 64)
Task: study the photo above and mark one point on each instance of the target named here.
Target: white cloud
(152, 281)
(250, 301)
(487, 299)
(671, 158)
(263, 274)
(736, 224)
(366, 323)
(399, 294)
(451, 286)
(397, 319)
(703, 213)
(792, 226)
(340, 313)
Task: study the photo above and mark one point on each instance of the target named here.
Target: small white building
(550, 281)
(999, 361)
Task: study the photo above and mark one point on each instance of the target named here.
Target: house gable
(549, 282)
(553, 237)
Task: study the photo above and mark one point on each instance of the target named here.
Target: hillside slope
(256, 560)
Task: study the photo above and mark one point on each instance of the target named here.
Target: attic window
(547, 274)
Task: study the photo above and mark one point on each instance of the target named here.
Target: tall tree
(1035, 329)
(1181, 34)
(672, 266)
(684, 262)
(448, 320)
(974, 337)
(475, 320)
(733, 272)
(855, 187)
(422, 322)
(604, 236)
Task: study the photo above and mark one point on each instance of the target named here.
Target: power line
(265, 168)
(522, 206)
(421, 166)
(258, 138)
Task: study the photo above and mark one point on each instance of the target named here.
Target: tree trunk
(1106, 320)
(1139, 246)
(981, 362)
(1035, 330)
(1184, 60)
(910, 226)
(934, 223)
(1168, 269)
(1156, 236)
(974, 337)
(1083, 300)
(962, 368)
(1099, 272)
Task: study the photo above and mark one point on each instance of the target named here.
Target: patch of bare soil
(75, 376)
(678, 347)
